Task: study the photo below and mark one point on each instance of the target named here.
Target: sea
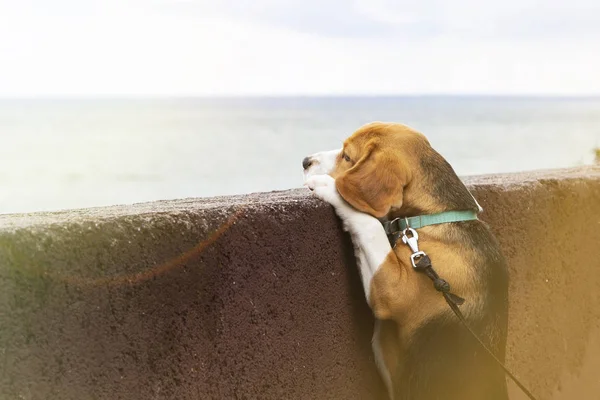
(72, 153)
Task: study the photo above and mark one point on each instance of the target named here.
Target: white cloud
(297, 47)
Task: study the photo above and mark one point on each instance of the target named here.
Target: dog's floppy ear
(373, 184)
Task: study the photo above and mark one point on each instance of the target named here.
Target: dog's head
(389, 167)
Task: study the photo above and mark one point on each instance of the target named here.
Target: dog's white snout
(319, 163)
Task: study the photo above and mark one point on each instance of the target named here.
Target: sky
(298, 47)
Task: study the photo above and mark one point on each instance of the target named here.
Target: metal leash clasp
(413, 242)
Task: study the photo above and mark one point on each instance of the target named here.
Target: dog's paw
(316, 181)
(323, 186)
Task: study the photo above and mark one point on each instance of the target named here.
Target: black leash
(422, 263)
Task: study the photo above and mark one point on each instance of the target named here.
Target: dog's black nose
(306, 162)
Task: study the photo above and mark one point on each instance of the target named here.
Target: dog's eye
(345, 157)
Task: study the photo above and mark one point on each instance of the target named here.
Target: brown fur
(393, 171)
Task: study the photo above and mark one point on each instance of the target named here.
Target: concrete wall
(258, 296)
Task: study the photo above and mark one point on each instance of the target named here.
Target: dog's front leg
(370, 242)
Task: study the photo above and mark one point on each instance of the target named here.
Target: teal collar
(400, 224)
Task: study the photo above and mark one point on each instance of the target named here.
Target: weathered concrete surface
(148, 302)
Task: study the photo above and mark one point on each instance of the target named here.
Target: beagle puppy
(388, 170)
